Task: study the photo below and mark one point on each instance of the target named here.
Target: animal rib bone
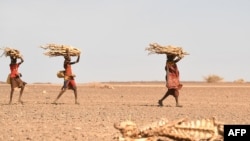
(178, 130)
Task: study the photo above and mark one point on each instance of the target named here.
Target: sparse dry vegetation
(241, 80)
(213, 78)
(99, 85)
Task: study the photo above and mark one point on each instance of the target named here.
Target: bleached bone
(178, 130)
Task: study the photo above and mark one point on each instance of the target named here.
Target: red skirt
(69, 84)
(172, 81)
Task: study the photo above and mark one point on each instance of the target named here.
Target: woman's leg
(75, 93)
(63, 89)
(20, 95)
(176, 96)
(59, 95)
(169, 92)
(73, 85)
(11, 95)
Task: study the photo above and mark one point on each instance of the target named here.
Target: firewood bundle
(155, 48)
(60, 50)
(11, 52)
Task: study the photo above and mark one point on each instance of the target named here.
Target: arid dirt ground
(39, 120)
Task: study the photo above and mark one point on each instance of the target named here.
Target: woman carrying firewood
(69, 82)
(172, 79)
(15, 79)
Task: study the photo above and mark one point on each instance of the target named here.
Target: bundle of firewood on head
(60, 50)
(13, 53)
(155, 48)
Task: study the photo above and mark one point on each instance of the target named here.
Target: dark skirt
(17, 82)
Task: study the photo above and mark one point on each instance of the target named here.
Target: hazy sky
(113, 35)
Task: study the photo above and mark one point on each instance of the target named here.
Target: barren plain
(103, 104)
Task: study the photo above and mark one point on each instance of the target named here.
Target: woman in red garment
(69, 82)
(15, 79)
(172, 79)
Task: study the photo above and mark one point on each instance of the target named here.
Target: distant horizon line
(133, 81)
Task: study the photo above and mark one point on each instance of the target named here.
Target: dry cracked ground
(100, 107)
